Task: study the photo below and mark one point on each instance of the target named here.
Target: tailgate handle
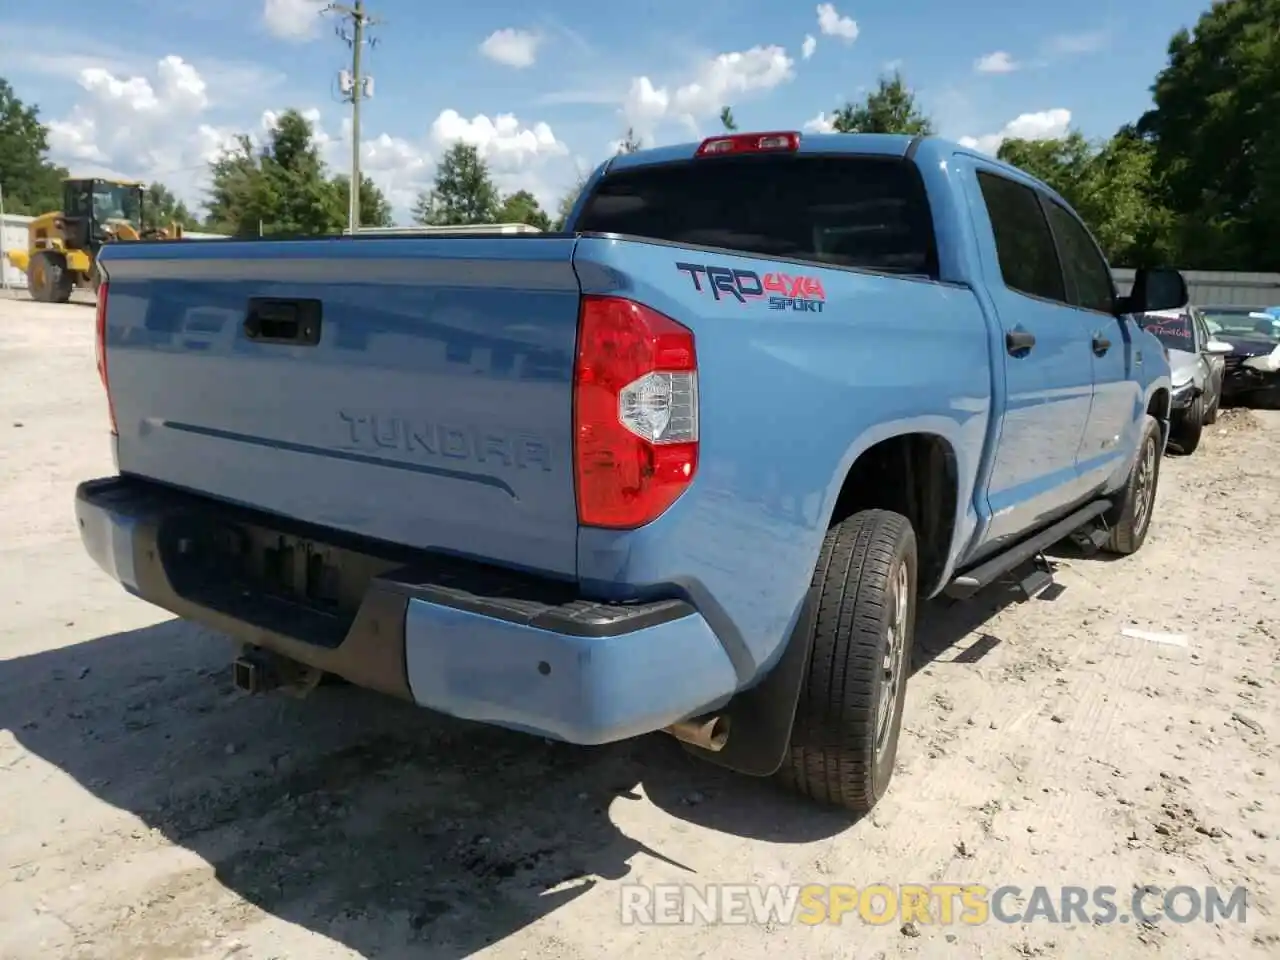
(276, 320)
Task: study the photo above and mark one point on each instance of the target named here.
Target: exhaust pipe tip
(708, 732)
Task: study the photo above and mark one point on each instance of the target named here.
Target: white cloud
(832, 24)
(511, 47)
(502, 141)
(401, 168)
(517, 154)
(1044, 125)
(809, 45)
(822, 123)
(997, 62)
(718, 82)
(297, 20)
(129, 122)
(270, 118)
(155, 125)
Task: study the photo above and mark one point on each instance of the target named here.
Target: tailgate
(414, 390)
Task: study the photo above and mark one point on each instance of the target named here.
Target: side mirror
(1218, 347)
(1155, 288)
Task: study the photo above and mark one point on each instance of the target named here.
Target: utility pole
(355, 21)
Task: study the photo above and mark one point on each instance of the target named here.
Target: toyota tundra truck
(689, 465)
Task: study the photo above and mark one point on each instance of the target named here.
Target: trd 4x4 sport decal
(783, 291)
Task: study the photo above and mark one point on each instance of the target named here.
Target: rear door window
(870, 213)
(1024, 243)
(1089, 284)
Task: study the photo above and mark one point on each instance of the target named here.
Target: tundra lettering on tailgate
(382, 434)
(783, 290)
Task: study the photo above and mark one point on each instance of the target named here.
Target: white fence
(13, 236)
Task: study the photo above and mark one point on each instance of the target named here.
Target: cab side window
(1089, 284)
(1024, 243)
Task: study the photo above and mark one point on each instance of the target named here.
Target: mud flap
(760, 719)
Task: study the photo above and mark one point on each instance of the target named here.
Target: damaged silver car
(1197, 365)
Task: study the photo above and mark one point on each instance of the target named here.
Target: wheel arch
(916, 474)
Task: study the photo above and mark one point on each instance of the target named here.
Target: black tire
(842, 752)
(1188, 427)
(47, 278)
(1211, 415)
(39, 283)
(1130, 518)
(63, 281)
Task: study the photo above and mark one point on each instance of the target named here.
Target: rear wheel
(845, 737)
(1130, 518)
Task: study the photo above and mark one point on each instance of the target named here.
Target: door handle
(283, 321)
(1100, 344)
(1019, 342)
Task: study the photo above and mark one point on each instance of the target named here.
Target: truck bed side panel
(435, 411)
(788, 399)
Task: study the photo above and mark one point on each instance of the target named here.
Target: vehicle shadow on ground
(370, 822)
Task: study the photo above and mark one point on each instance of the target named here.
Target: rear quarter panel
(788, 400)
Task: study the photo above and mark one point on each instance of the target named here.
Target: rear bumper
(474, 642)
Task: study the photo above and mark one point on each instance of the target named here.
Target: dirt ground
(150, 812)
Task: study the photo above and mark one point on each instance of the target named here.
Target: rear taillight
(100, 338)
(635, 411)
(749, 143)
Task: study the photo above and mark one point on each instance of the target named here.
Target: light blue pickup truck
(689, 466)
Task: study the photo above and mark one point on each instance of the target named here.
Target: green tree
(238, 199)
(31, 184)
(568, 201)
(285, 187)
(629, 143)
(890, 108)
(1215, 128)
(463, 191)
(1120, 201)
(161, 208)
(1063, 164)
(523, 207)
(305, 200)
(375, 211)
(1110, 186)
(726, 119)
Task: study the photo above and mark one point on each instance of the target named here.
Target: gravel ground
(147, 810)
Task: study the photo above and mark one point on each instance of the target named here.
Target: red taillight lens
(100, 338)
(749, 143)
(635, 409)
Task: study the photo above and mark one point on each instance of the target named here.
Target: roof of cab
(927, 150)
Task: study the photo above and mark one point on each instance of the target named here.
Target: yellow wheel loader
(62, 246)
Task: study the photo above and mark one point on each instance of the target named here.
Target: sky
(545, 88)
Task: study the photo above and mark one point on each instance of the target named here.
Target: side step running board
(966, 585)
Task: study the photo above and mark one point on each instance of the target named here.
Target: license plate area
(226, 563)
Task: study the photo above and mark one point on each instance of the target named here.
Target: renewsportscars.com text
(934, 904)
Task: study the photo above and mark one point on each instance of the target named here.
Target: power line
(352, 28)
